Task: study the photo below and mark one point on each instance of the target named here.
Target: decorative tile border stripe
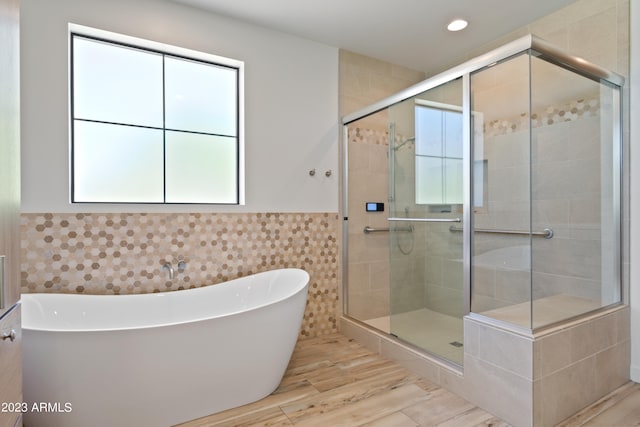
(375, 137)
(569, 112)
(116, 253)
(368, 136)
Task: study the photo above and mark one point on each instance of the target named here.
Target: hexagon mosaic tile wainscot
(123, 253)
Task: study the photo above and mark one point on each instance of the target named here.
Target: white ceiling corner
(411, 33)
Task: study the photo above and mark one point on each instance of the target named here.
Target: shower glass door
(546, 247)
(426, 243)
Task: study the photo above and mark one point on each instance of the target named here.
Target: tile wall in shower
(364, 80)
(368, 262)
(551, 181)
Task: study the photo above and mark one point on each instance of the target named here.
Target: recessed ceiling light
(457, 25)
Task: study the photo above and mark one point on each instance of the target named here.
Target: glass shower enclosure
(500, 181)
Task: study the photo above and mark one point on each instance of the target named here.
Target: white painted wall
(291, 99)
(634, 292)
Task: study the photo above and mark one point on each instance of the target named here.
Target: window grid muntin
(164, 54)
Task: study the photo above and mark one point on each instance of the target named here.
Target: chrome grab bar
(425, 219)
(409, 229)
(547, 233)
(368, 229)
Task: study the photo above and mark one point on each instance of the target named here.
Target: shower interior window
(438, 154)
(438, 150)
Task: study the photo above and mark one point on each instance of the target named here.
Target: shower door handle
(425, 219)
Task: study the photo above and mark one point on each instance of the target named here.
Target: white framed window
(438, 153)
(152, 123)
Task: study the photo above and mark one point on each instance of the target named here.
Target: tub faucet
(167, 266)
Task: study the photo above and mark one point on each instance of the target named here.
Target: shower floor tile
(434, 332)
(381, 323)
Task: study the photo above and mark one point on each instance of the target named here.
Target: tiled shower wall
(365, 80)
(368, 262)
(123, 253)
(549, 178)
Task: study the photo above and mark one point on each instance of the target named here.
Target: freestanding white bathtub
(158, 359)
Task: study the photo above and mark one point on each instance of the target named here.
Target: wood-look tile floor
(333, 381)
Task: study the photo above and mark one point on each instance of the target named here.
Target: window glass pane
(428, 132)
(453, 181)
(201, 168)
(114, 163)
(429, 187)
(453, 134)
(113, 83)
(479, 183)
(200, 97)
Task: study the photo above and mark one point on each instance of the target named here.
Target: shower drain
(456, 343)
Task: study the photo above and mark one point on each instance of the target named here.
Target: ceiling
(411, 33)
